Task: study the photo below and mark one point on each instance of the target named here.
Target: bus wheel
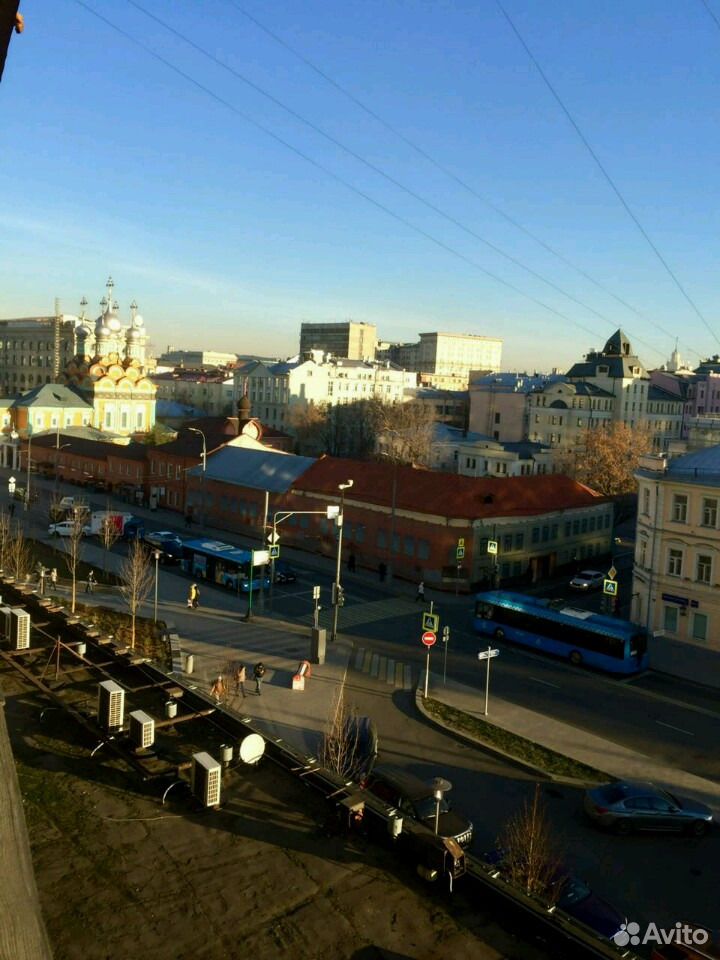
(576, 658)
(499, 634)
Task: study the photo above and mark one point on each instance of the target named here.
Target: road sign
(260, 557)
(610, 587)
(612, 573)
(428, 638)
(273, 537)
(316, 593)
(488, 654)
(460, 553)
(461, 541)
(431, 621)
(492, 546)
(274, 551)
(446, 634)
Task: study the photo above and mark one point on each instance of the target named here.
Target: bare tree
(109, 534)
(19, 554)
(531, 858)
(5, 538)
(136, 580)
(73, 550)
(338, 750)
(607, 458)
(404, 431)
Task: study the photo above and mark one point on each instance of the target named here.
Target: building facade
(446, 360)
(351, 339)
(210, 391)
(34, 350)
(676, 577)
(196, 359)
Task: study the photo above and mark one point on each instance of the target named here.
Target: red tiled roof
(447, 494)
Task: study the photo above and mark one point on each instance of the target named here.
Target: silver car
(588, 580)
(630, 805)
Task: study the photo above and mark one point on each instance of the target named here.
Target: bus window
(484, 610)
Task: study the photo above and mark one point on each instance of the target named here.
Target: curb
(497, 751)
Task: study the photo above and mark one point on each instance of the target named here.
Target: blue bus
(555, 627)
(223, 564)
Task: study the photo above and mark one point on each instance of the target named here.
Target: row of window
(676, 564)
(708, 515)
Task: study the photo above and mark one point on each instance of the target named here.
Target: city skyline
(125, 167)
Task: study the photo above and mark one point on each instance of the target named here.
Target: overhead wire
(368, 163)
(605, 173)
(339, 179)
(711, 12)
(514, 222)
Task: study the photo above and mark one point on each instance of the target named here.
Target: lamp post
(57, 465)
(440, 787)
(204, 468)
(342, 487)
(156, 554)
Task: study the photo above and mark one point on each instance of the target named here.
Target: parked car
(574, 897)
(167, 542)
(66, 528)
(629, 805)
(588, 580)
(284, 573)
(413, 798)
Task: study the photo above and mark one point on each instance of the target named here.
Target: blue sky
(113, 163)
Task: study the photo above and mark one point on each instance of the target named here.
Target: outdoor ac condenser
(19, 633)
(142, 729)
(206, 778)
(111, 705)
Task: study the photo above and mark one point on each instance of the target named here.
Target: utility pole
(337, 588)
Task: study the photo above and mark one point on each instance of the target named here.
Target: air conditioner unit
(142, 729)
(111, 705)
(19, 628)
(206, 777)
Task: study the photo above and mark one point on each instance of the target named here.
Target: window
(670, 619)
(535, 535)
(642, 553)
(709, 512)
(507, 542)
(409, 546)
(519, 541)
(679, 508)
(675, 559)
(423, 549)
(704, 568)
(497, 418)
(699, 626)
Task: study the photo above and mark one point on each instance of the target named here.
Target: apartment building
(351, 339)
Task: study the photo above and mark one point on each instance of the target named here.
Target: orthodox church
(109, 370)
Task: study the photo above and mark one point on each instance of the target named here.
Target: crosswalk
(392, 672)
(368, 611)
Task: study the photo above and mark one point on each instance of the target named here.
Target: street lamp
(204, 468)
(157, 555)
(337, 590)
(440, 787)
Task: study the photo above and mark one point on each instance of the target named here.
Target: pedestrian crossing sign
(431, 621)
(274, 551)
(610, 587)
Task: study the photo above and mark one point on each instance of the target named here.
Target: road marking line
(390, 672)
(671, 727)
(366, 661)
(399, 667)
(407, 672)
(375, 665)
(360, 653)
(545, 682)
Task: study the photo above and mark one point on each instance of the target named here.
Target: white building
(475, 455)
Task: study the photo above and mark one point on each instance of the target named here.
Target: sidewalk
(605, 755)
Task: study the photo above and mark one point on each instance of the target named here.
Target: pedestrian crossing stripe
(357, 614)
(392, 672)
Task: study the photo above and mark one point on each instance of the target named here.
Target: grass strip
(510, 743)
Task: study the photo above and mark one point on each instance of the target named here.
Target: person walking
(258, 674)
(193, 600)
(351, 563)
(420, 595)
(240, 680)
(382, 572)
(91, 581)
(217, 690)
(11, 509)
(53, 578)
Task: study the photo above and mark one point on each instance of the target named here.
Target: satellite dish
(252, 748)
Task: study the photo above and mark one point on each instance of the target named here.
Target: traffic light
(338, 595)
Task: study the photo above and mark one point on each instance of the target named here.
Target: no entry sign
(428, 638)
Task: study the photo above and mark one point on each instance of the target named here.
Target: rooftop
(259, 470)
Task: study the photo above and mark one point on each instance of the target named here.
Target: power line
(601, 167)
(336, 177)
(449, 173)
(710, 11)
(369, 164)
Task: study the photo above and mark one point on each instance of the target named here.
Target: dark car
(169, 544)
(284, 573)
(575, 898)
(413, 797)
(630, 805)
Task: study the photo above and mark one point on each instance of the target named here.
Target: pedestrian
(53, 577)
(258, 674)
(351, 563)
(382, 572)
(11, 509)
(193, 600)
(240, 680)
(188, 519)
(420, 595)
(217, 690)
(91, 581)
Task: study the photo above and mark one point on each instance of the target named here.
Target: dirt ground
(121, 876)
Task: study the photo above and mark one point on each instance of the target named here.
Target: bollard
(304, 670)
(189, 663)
(226, 753)
(170, 709)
